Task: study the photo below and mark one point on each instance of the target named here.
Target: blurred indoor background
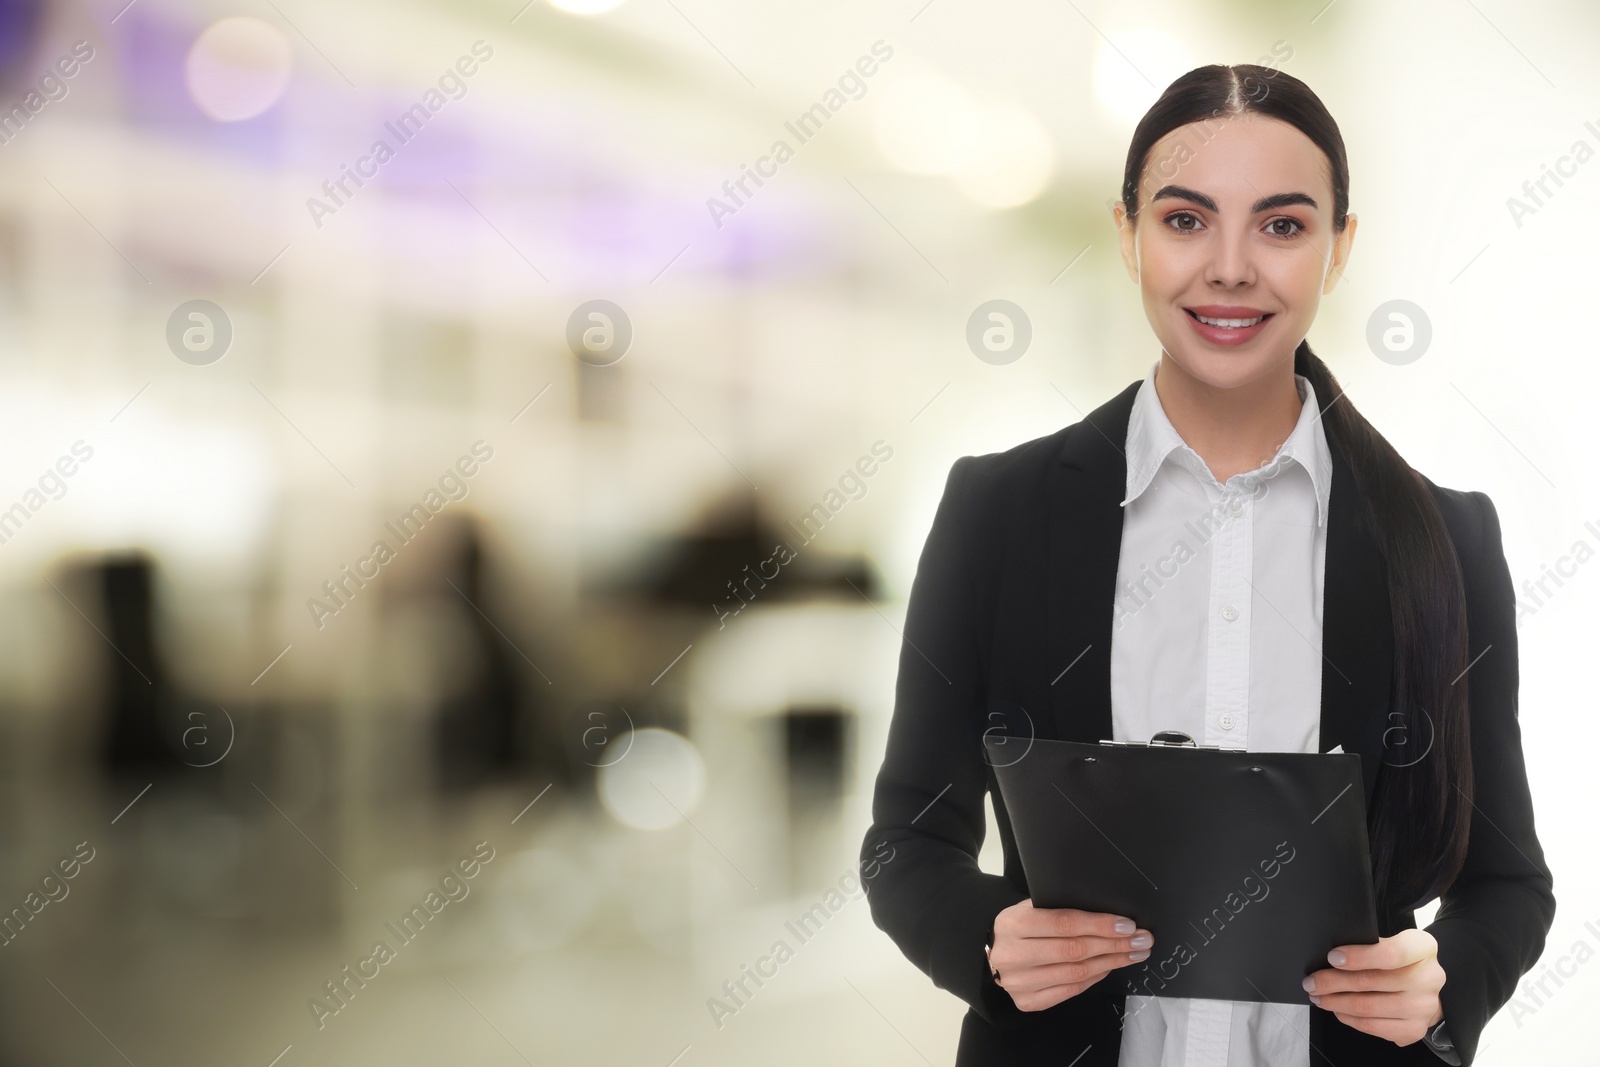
(494, 500)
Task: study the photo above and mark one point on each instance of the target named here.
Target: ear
(1125, 235)
(1340, 256)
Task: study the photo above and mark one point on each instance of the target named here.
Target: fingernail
(1317, 1001)
(1125, 926)
(1142, 941)
(1309, 985)
(1137, 956)
(1336, 958)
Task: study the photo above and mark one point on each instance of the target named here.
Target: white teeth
(1230, 324)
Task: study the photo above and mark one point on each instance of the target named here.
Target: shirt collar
(1151, 438)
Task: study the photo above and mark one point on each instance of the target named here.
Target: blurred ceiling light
(659, 782)
(237, 68)
(999, 155)
(1011, 162)
(199, 491)
(927, 124)
(1132, 68)
(586, 7)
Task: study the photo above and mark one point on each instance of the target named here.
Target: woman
(1337, 600)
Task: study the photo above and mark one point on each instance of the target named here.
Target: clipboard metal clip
(1170, 739)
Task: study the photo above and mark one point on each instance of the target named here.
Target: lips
(1227, 324)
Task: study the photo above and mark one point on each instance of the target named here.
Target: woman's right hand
(1046, 955)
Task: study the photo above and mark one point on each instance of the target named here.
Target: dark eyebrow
(1266, 203)
(1179, 192)
(1277, 200)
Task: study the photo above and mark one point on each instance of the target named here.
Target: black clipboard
(1246, 867)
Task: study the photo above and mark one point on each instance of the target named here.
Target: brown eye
(1294, 227)
(1180, 217)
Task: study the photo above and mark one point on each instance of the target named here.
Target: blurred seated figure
(476, 731)
(138, 691)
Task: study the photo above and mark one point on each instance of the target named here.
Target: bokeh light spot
(662, 775)
(237, 68)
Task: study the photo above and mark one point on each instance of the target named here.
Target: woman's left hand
(1389, 990)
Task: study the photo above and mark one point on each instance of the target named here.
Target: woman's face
(1235, 226)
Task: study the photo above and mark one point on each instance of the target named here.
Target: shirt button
(1226, 720)
(1230, 613)
(1236, 506)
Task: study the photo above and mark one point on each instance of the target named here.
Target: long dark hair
(1422, 807)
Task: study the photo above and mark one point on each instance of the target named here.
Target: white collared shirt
(1218, 633)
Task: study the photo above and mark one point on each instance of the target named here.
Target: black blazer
(1015, 582)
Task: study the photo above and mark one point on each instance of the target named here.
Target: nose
(1231, 265)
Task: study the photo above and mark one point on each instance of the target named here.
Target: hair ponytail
(1422, 805)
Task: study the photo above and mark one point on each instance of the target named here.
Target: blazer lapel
(1085, 541)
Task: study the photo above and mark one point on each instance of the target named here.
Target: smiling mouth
(1228, 324)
